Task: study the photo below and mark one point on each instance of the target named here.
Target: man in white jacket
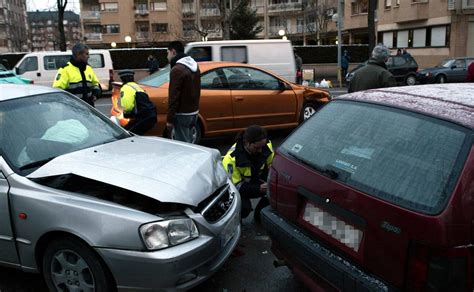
(183, 94)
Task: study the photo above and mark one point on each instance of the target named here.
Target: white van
(273, 55)
(43, 66)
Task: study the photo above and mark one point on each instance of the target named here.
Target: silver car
(95, 208)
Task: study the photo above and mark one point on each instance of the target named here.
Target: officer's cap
(126, 73)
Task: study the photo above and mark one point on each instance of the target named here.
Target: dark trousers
(141, 126)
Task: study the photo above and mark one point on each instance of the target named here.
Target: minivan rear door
(8, 253)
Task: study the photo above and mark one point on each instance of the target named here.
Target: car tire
(440, 79)
(308, 110)
(410, 80)
(69, 265)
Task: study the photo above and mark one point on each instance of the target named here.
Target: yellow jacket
(127, 96)
(69, 78)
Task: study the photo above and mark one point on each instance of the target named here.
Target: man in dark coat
(183, 94)
(375, 73)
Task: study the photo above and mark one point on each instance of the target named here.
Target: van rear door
(375, 185)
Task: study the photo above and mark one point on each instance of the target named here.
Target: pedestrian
(152, 64)
(346, 58)
(183, 94)
(399, 52)
(77, 77)
(136, 104)
(299, 68)
(247, 163)
(470, 72)
(375, 73)
(405, 53)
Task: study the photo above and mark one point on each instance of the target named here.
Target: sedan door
(260, 98)
(215, 105)
(458, 71)
(8, 253)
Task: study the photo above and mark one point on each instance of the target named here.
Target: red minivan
(376, 192)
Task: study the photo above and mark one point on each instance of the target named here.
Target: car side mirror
(17, 71)
(453, 67)
(282, 85)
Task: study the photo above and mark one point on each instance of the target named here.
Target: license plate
(345, 233)
(230, 229)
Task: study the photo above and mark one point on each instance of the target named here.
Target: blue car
(449, 70)
(8, 77)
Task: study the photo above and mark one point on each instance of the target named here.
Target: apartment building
(13, 26)
(44, 34)
(431, 30)
(130, 23)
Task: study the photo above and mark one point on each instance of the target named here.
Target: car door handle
(38, 74)
(239, 98)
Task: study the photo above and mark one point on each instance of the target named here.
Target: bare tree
(225, 11)
(319, 14)
(62, 38)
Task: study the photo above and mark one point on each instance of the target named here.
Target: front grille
(218, 204)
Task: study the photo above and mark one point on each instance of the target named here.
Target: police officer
(136, 104)
(247, 162)
(77, 77)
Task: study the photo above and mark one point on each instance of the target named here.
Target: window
(201, 53)
(55, 62)
(111, 7)
(111, 28)
(234, 54)
(402, 39)
(158, 5)
(160, 27)
(407, 159)
(96, 61)
(212, 80)
(388, 39)
(248, 78)
(419, 38)
(359, 6)
(388, 3)
(460, 64)
(438, 36)
(29, 64)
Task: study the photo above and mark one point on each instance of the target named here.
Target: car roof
(453, 102)
(12, 91)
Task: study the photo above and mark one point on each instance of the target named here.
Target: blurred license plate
(230, 229)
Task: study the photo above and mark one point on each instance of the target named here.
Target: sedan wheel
(441, 79)
(411, 80)
(69, 265)
(308, 110)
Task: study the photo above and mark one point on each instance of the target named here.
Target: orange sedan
(233, 97)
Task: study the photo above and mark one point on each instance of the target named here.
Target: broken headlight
(158, 235)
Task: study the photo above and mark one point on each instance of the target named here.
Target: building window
(438, 36)
(111, 6)
(402, 39)
(111, 28)
(158, 5)
(469, 3)
(388, 39)
(388, 4)
(359, 7)
(419, 1)
(160, 27)
(419, 38)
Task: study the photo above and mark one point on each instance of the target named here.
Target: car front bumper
(176, 268)
(423, 79)
(319, 267)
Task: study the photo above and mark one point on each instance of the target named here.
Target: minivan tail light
(431, 269)
(272, 182)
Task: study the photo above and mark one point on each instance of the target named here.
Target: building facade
(13, 26)
(430, 30)
(44, 34)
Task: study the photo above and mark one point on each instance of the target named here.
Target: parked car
(375, 192)
(233, 97)
(273, 55)
(94, 208)
(448, 70)
(402, 67)
(43, 66)
(8, 77)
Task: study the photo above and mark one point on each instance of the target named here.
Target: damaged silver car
(95, 208)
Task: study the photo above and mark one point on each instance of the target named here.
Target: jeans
(183, 125)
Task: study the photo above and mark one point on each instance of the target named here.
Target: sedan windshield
(446, 63)
(36, 129)
(157, 79)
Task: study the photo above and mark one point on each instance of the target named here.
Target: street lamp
(338, 19)
(113, 44)
(281, 32)
(128, 39)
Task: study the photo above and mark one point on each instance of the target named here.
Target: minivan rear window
(405, 158)
(55, 62)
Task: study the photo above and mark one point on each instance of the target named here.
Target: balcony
(468, 6)
(285, 7)
(90, 15)
(142, 35)
(210, 12)
(188, 10)
(214, 34)
(141, 12)
(93, 37)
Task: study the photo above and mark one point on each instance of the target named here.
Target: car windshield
(408, 159)
(446, 63)
(157, 79)
(3, 68)
(38, 128)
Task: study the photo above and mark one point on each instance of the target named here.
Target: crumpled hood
(162, 169)
(188, 62)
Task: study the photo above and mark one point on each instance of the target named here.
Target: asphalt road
(251, 270)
